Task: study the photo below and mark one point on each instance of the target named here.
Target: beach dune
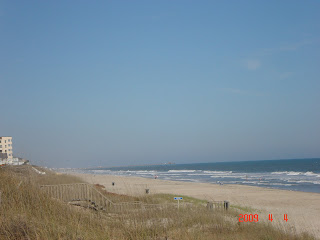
(302, 209)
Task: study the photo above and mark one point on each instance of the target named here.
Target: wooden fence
(218, 205)
(78, 193)
(86, 195)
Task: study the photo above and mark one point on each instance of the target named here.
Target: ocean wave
(248, 178)
(307, 181)
(100, 171)
(292, 173)
(224, 176)
(182, 170)
(289, 173)
(312, 174)
(199, 174)
(218, 172)
(145, 172)
(249, 182)
(169, 174)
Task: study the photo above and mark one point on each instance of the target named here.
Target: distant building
(6, 147)
(6, 153)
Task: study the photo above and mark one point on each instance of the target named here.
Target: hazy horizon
(112, 83)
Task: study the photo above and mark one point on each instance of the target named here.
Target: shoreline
(289, 174)
(302, 208)
(191, 182)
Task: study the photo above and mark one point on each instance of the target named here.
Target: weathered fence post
(209, 206)
(226, 205)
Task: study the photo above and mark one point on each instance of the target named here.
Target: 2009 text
(248, 218)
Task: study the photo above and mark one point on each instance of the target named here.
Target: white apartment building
(6, 146)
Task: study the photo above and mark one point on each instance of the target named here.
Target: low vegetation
(28, 213)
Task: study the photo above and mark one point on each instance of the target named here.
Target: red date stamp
(255, 217)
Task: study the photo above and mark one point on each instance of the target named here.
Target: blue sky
(90, 83)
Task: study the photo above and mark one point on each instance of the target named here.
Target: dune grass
(27, 213)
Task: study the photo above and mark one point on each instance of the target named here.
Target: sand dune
(302, 209)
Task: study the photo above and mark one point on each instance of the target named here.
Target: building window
(0, 146)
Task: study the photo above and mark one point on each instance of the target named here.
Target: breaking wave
(177, 171)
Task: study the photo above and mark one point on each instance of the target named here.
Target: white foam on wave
(289, 173)
(248, 178)
(218, 172)
(170, 174)
(100, 171)
(248, 182)
(198, 174)
(292, 173)
(145, 172)
(222, 176)
(307, 181)
(312, 174)
(182, 171)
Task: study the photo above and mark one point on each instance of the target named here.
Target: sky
(112, 83)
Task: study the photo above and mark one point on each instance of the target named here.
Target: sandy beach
(302, 209)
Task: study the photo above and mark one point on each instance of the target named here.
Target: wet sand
(302, 209)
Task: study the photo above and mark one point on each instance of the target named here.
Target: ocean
(295, 174)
